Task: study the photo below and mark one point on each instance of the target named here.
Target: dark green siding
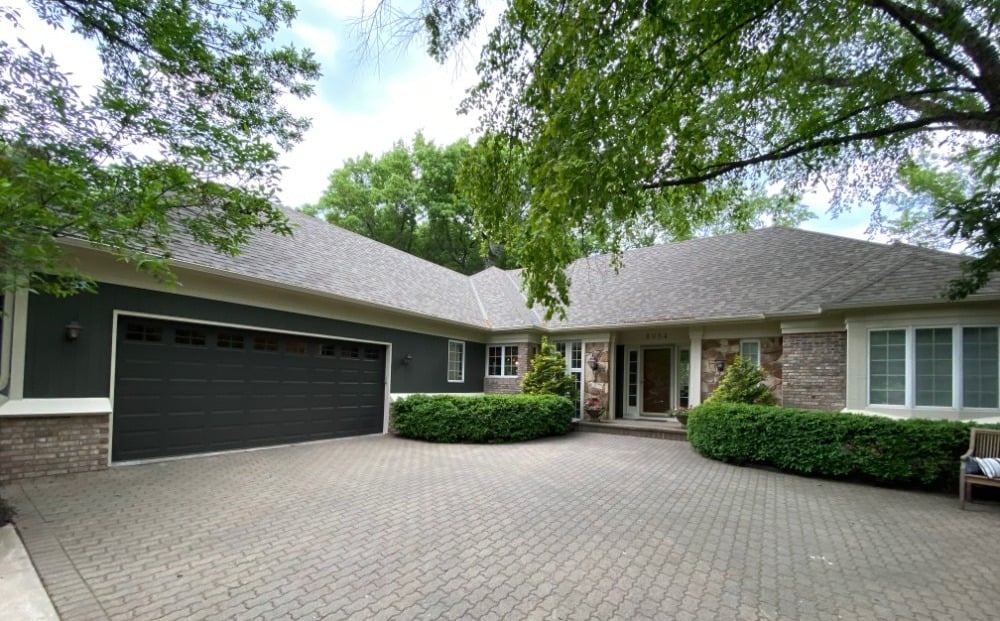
(58, 368)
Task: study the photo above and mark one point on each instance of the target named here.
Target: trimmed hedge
(898, 453)
(484, 419)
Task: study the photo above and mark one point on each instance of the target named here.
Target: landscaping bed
(481, 418)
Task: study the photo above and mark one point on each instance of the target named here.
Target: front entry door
(656, 375)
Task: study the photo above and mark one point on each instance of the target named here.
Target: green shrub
(898, 453)
(548, 375)
(481, 418)
(742, 383)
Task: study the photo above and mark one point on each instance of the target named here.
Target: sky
(366, 99)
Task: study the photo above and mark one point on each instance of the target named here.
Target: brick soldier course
(589, 526)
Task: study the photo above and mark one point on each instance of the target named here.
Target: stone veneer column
(597, 383)
(815, 370)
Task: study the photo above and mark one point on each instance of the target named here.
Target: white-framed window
(750, 351)
(944, 366)
(456, 361)
(501, 361)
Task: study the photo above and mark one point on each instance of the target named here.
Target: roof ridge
(893, 264)
(517, 288)
(823, 283)
(479, 300)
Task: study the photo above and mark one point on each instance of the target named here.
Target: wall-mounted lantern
(73, 330)
(720, 364)
(407, 359)
(595, 361)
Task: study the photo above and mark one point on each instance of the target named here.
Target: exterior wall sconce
(594, 363)
(720, 365)
(73, 330)
(407, 359)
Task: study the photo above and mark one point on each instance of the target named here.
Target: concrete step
(662, 430)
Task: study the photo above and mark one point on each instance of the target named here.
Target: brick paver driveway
(586, 526)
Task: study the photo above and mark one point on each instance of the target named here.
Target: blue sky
(364, 101)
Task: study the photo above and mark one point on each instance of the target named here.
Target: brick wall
(45, 445)
(815, 370)
(510, 385)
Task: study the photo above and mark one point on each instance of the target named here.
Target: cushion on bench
(988, 466)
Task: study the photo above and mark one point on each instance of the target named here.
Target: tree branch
(786, 152)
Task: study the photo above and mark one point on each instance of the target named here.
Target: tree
(670, 111)
(409, 198)
(181, 136)
(742, 383)
(548, 375)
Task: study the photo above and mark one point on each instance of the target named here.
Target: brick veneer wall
(815, 370)
(510, 385)
(45, 445)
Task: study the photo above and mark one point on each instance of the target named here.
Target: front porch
(666, 429)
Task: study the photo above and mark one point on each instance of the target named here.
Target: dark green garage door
(190, 388)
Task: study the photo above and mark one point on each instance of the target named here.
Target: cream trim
(18, 344)
(8, 332)
(694, 388)
(118, 313)
(56, 407)
(810, 326)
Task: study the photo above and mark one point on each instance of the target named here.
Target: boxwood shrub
(899, 453)
(481, 418)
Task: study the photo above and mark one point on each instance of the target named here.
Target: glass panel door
(656, 382)
(684, 378)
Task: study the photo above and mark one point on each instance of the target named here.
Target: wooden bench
(982, 443)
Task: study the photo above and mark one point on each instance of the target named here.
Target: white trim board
(86, 406)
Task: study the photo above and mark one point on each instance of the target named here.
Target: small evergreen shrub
(548, 374)
(742, 383)
(485, 419)
(898, 453)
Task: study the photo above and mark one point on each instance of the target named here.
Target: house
(311, 337)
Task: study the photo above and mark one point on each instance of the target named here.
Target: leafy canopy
(603, 116)
(410, 199)
(181, 136)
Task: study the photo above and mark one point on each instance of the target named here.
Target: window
(229, 340)
(297, 347)
(352, 352)
(501, 361)
(633, 378)
(328, 349)
(750, 351)
(372, 353)
(185, 336)
(262, 342)
(135, 331)
(918, 367)
(933, 360)
(980, 353)
(887, 370)
(456, 361)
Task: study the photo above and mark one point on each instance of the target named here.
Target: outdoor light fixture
(407, 359)
(73, 330)
(720, 365)
(594, 363)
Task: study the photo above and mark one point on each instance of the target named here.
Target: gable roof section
(330, 260)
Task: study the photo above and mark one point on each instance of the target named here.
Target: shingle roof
(770, 272)
(331, 260)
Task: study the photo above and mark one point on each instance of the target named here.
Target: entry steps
(660, 429)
